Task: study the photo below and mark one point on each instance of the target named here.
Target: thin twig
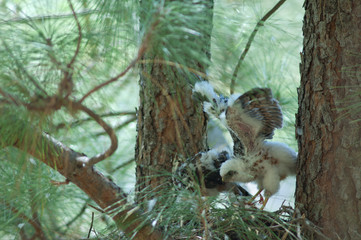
(204, 208)
(250, 40)
(120, 126)
(35, 216)
(46, 17)
(80, 35)
(122, 165)
(8, 95)
(201, 176)
(109, 130)
(80, 121)
(66, 83)
(91, 225)
(96, 208)
(141, 51)
(51, 54)
(81, 212)
(289, 227)
(279, 225)
(131, 65)
(23, 234)
(35, 225)
(58, 183)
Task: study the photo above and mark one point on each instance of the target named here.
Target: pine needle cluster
(185, 214)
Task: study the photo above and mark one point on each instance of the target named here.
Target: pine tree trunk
(329, 169)
(171, 125)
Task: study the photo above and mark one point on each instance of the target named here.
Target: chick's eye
(231, 173)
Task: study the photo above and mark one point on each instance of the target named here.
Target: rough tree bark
(171, 126)
(329, 178)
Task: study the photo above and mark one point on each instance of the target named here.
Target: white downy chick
(273, 163)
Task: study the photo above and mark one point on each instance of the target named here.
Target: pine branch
(47, 17)
(120, 126)
(70, 64)
(7, 96)
(39, 231)
(110, 114)
(100, 189)
(21, 67)
(144, 46)
(76, 106)
(109, 130)
(66, 83)
(250, 40)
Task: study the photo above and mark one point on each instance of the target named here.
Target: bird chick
(273, 163)
(205, 167)
(251, 118)
(213, 104)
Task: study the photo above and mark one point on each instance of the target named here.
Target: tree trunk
(329, 169)
(171, 125)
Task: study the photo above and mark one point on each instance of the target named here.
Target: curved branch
(120, 126)
(141, 52)
(81, 121)
(130, 66)
(72, 166)
(108, 129)
(77, 106)
(250, 40)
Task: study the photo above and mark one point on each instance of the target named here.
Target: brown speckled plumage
(254, 116)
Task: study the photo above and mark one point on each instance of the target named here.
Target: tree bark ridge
(329, 181)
